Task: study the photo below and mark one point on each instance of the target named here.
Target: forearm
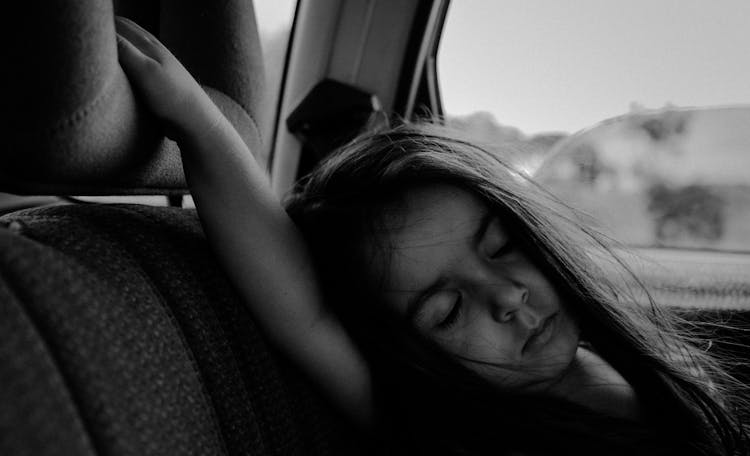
(266, 258)
(251, 233)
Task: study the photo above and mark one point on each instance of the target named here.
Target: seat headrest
(74, 125)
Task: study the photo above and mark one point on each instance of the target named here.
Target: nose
(507, 301)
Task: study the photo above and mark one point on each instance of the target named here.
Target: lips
(541, 334)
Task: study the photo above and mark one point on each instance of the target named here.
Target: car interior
(119, 333)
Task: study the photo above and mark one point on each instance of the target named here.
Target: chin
(562, 349)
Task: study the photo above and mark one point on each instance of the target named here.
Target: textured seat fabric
(120, 336)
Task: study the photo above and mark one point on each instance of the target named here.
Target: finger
(140, 38)
(126, 47)
(129, 55)
(134, 31)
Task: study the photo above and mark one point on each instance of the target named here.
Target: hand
(167, 87)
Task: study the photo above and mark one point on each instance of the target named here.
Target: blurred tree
(524, 151)
(693, 211)
(588, 164)
(662, 125)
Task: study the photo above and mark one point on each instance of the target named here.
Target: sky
(551, 65)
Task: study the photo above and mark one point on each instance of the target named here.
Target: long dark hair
(432, 403)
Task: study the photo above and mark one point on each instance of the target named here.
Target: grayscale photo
(375, 227)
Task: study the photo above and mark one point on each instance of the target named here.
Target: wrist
(199, 117)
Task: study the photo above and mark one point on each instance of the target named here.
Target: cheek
(506, 368)
(569, 334)
(483, 341)
(543, 294)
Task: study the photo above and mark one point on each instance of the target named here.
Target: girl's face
(458, 276)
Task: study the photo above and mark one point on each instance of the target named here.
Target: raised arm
(258, 246)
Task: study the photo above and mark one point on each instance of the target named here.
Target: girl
(476, 319)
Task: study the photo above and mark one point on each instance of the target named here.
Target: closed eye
(452, 317)
(506, 248)
(496, 242)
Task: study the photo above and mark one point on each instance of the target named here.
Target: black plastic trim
(427, 89)
(282, 89)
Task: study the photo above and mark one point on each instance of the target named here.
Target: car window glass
(665, 170)
(670, 178)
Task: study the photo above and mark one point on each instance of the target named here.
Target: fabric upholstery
(72, 124)
(121, 336)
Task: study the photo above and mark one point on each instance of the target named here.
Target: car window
(671, 178)
(637, 112)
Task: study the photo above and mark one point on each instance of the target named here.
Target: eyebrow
(415, 304)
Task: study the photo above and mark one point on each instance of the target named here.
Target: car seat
(119, 334)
